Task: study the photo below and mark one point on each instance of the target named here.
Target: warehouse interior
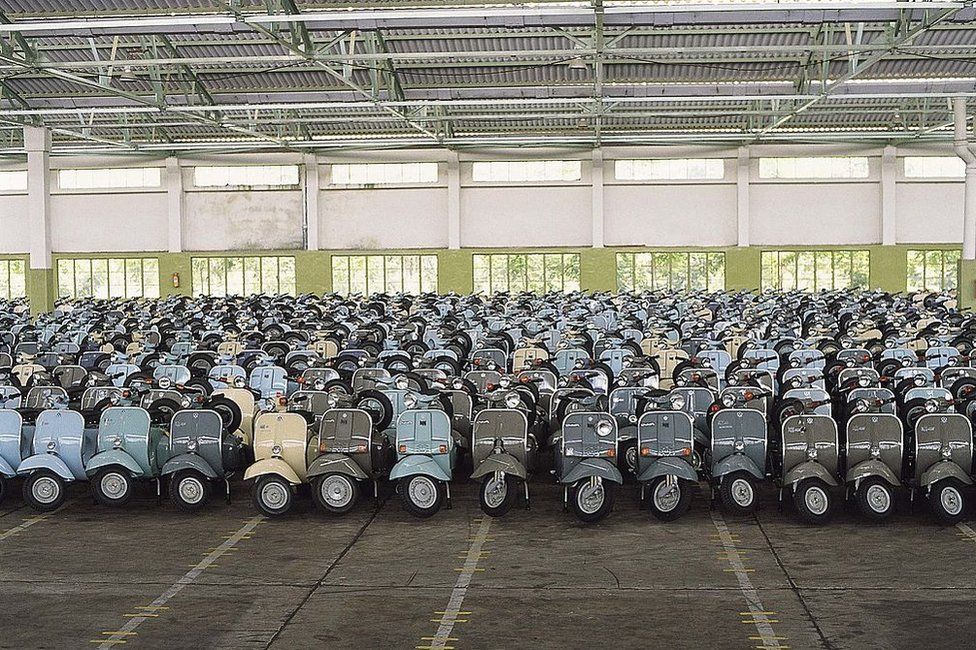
(186, 163)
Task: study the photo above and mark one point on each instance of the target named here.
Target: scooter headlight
(946, 452)
(861, 405)
(410, 400)
(889, 343)
(186, 402)
(728, 400)
(864, 381)
(512, 400)
(239, 382)
(604, 428)
(739, 445)
(457, 384)
(505, 382)
(114, 398)
(875, 452)
(191, 445)
(401, 382)
(276, 450)
(677, 401)
(919, 380)
(117, 442)
(632, 418)
(165, 383)
(318, 385)
(51, 445)
(931, 406)
(578, 365)
(622, 381)
(812, 453)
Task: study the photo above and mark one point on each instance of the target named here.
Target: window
(514, 171)
(131, 277)
(538, 272)
(91, 179)
(384, 173)
(242, 276)
(368, 274)
(679, 169)
(13, 279)
(13, 181)
(934, 167)
(666, 270)
(814, 270)
(822, 167)
(246, 175)
(933, 270)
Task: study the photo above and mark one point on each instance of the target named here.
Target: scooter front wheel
(669, 500)
(590, 501)
(948, 503)
(497, 494)
(875, 498)
(272, 495)
(44, 491)
(738, 493)
(112, 486)
(421, 495)
(189, 490)
(335, 493)
(813, 502)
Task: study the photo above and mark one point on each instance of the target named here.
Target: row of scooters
(835, 396)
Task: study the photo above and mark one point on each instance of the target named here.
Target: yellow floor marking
(761, 638)
(453, 609)
(759, 619)
(456, 613)
(757, 613)
(28, 522)
(430, 638)
(122, 633)
(135, 620)
(108, 642)
(150, 607)
(967, 530)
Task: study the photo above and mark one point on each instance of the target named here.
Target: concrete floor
(149, 576)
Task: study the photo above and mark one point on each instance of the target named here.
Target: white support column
(889, 172)
(311, 202)
(174, 204)
(453, 202)
(597, 179)
(742, 177)
(37, 142)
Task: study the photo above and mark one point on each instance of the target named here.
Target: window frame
(944, 266)
(9, 274)
(345, 178)
(109, 265)
(11, 174)
(647, 260)
(668, 175)
(196, 184)
(426, 264)
(855, 263)
(221, 265)
(932, 177)
(795, 161)
(490, 167)
(542, 260)
(79, 184)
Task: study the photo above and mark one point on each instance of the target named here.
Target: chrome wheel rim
(422, 492)
(816, 500)
(274, 495)
(590, 497)
(951, 501)
(666, 497)
(190, 490)
(742, 492)
(336, 491)
(878, 498)
(495, 492)
(114, 485)
(45, 490)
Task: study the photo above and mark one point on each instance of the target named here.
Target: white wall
(243, 220)
(383, 218)
(661, 213)
(92, 223)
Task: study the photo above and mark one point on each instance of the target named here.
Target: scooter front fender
(736, 463)
(943, 470)
(504, 463)
(599, 467)
(809, 469)
(110, 457)
(45, 461)
(872, 467)
(191, 462)
(668, 465)
(272, 466)
(418, 464)
(335, 464)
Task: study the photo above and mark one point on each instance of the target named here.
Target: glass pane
(517, 273)
(933, 270)
(357, 274)
(482, 273)
(770, 269)
(716, 271)
(843, 261)
(235, 276)
(499, 273)
(554, 272)
(133, 278)
(340, 274)
(787, 270)
(100, 278)
(916, 270)
(625, 271)
(394, 273)
(571, 272)
(200, 276)
(644, 271)
(950, 270)
(66, 278)
(252, 275)
(269, 275)
(428, 276)
(861, 269)
(287, 282)
(83, 279)
(218, 277)
(376, 275)
(805, 274)
(150, 278)
(411, 274)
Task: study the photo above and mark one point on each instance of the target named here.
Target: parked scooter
(426, 455)
(501, 449)
(810, 465)
(665, 443)
(280, 439)
(586, 464)
(59, 452)
(203, 450)
(129, 448)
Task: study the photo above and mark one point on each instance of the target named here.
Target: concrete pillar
(597, 178)
(742, 197)
(311, 202)
(888, 174)
(453, 202)
(41, 285)
(174, 204)
(37, 142)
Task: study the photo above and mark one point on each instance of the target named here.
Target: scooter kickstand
(227, 485)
